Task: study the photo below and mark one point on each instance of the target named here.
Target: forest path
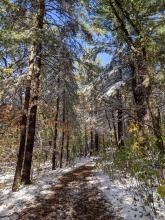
(75, 197)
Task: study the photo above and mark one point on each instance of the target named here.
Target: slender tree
(23, 124)
(56, 128)
(34, 99)
(67, 143)
(63, 130)
(85, 141)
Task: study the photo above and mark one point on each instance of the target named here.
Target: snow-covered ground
(11, 202)
(120, 194)
(125, 203)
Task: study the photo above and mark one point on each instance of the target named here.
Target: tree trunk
(138, 64)
(91, 144)
(55, 133)
(96, 141)
(139, 95)
(114, 128)
(63, 132)
(86, 141)
(103, 142)
(34, 99)
(109, 124)
(67, 136)
(67, 146)
(156, 122)
(23, 125)
(120, 121)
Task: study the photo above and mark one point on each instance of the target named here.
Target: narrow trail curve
(73, 198)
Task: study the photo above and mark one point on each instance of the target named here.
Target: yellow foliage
(135, 146)
(6, 71)
(133, 128)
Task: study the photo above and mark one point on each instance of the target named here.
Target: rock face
(75, 197)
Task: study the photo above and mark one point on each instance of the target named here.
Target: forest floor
(67, 194)
(74, 197)
(78, 192)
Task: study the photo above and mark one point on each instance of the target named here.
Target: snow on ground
(120, 194)
(122, 199)
(11, 202)
(6, 178)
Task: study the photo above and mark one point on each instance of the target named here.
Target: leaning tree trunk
(63, 132)
(34, 101)
(23, 124)
(55, 132)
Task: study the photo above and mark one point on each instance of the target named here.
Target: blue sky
(104, 58)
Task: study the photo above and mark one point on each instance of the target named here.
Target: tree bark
(34, 100)
(109, 124)
(67, 137)
(103, 142)
(139, 95)
(127, 16)
(138, 64)
(114, 128)
(91, 144)
(156, 122)
(123, 28)
(63, 132)
(55, 132)
(67, 146)
(23, 124)
(120, 121)
(86, 141)
(96, 141)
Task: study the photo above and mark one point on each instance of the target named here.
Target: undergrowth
(144, 171)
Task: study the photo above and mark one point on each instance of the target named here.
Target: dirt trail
(73, 198)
